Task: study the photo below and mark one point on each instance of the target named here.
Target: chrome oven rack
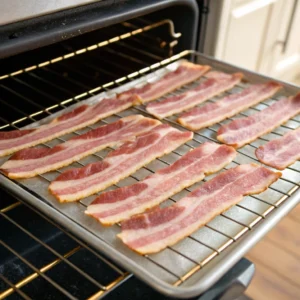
(194, 264)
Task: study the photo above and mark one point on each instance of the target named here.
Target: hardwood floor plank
(278, 260)
(295, 213)
(286, 235)
(267, 285)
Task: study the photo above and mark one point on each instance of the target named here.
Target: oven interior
(37, 83)
(39, 257)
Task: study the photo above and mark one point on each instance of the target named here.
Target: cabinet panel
(281, 54)
(261, 35)
(287, 64)
(246, 32)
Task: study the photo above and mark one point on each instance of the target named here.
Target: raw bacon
(115, 206)
(216, 83)
(80, 117)
(282, 152)
(77, 183)
(151, 232)
(211, 113)
(245, 130)
(33, 161)
(185, 73)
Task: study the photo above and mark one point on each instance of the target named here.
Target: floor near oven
(277, 261)
(296, 80)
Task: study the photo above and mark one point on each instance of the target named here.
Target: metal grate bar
(78, 241)
(47, 278)
(14, 288)
(112, 285)
(161, 266)
(33, 276)
(61, 257)
(10, 207)
(28, 279)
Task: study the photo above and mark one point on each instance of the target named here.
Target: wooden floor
(296, 81)
(277, 261)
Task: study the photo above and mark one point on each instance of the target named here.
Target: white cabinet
(261, 35)
(281, 57)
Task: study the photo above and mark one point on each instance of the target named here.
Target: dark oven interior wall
(54, 28)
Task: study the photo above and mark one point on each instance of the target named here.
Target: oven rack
(137, 30)
(287, 186)
(119, 275)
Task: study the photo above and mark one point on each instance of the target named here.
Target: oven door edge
(53, 28)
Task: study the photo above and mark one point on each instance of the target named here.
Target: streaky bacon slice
(211, 113)
(282, 152)
(33, 161)
(185, 73)
(78, 183)
(115, 206)
(245, 130)
(82, 116)
(216, 83)
(151, 232)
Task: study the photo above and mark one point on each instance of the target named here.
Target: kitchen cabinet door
(245, 33)
(281, 54)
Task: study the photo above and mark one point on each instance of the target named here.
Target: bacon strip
(211, 113)
(115, 206)
(216, 83)
(245, 130)
(154, 231)
(33, 161)
(185, 73)
(80, 117)
(282, 152)
(77, 183)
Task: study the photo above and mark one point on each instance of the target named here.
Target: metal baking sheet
(194, 264)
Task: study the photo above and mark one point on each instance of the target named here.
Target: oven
(59, 55)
